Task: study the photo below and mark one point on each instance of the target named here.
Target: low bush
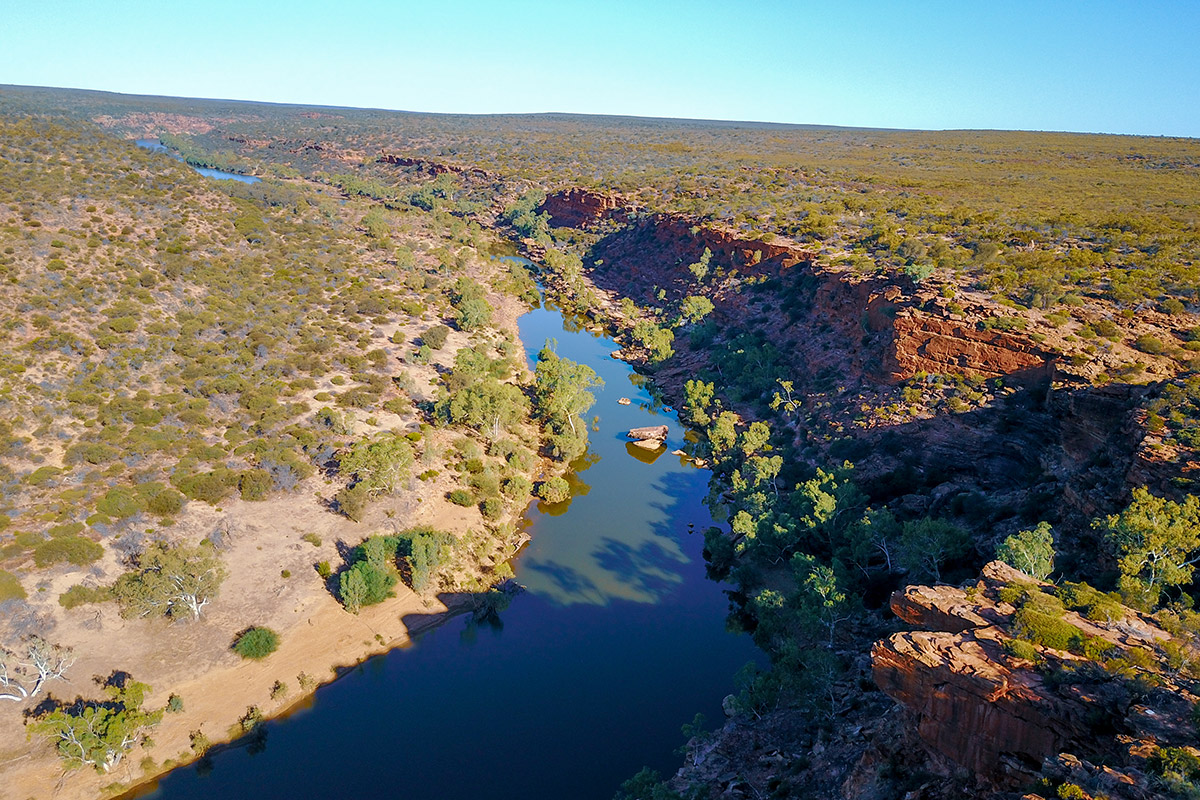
(554, 490)
(1019, 648)
(256, 643)
(79, 595)
(75, 550)
(10, 587)
(492, 508)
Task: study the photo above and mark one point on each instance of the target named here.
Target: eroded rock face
(901, 339)
(431, 167)
(578, 208)
(997, 715)
(970, 706)
(923, 343)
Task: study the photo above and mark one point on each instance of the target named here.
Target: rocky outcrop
(924, 343)
(579, 208)
(997, 715)
(839, 305)
(970, 706)
(430, 167)
(663, 242)
(655, 432)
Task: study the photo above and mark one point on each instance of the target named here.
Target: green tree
(353, 589)
(562, 392)
(656, 340)
(171, 581)
(700, 268)
(927, 544)
(429, 550)
(1030, 551)
(821, 604)
(1155, 540)
(722, 433)
(694, 308)
(698, 399)
(472, 310)
(379, 464)
(99, 733)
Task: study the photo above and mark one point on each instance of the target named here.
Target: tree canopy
(171, 580)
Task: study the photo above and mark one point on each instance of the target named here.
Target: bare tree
(24, 671)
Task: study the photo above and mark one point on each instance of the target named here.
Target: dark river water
(588, 676)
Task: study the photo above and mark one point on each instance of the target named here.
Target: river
(156, 146)
(586, 677)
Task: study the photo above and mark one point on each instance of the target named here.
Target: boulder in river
(655, 433)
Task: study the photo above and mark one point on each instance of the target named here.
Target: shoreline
(318, 637)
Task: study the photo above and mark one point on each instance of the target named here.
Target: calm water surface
(588, 676)
(158, 147)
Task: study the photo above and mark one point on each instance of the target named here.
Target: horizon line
(593, 115)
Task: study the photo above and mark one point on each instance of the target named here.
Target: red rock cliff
(578, 208)
(993, 713)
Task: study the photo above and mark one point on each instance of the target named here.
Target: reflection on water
(616, 546)
(563, 694)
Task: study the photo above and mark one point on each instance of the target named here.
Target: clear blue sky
(1099, 65)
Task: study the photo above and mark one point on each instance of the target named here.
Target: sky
(1087, 65)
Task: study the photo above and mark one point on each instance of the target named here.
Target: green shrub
(79, 595)
(324, 570)
(554, 490)
(76, 550)
(43, 475)
(1176, 760)
(492, 508)
(10, 587)
(435, 337)
(166, 503)
(312, 539)
(200, 742)
(461, 497)
(353, 501)
(1019, 648)
(174, 704)
(1069, 791)
(210, 487)
(256, 643)
(517, 487)
(1149, 344)
(120, 503)
(255, 484)
(1093, 604)
(1044, 629)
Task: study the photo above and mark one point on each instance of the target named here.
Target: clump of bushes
(79, 595)
(1149, 344)
(77, 550)
(256, 643)
(10, 587)
(554, 490)
(375, 565)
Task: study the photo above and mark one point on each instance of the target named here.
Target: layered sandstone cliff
(1011, 720)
